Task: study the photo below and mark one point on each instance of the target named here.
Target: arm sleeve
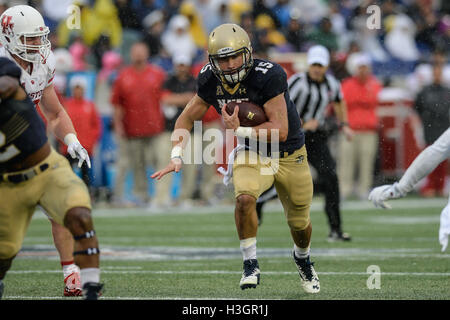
(425, 162)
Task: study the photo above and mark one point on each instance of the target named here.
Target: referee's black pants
(320, 158)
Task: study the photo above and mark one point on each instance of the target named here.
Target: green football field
(195, 254)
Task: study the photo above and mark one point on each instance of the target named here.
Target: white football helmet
(20, 23)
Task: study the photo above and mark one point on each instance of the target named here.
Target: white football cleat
(308, 276)
(250, 275)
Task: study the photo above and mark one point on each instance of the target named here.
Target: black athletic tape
(88, 251)
(88, 234)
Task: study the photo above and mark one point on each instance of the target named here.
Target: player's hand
(231, 122)
(380, 194)
(76, 150)
(175, 164)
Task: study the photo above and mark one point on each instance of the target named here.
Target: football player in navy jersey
(32, 173)
(233, 75)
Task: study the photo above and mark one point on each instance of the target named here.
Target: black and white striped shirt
(312, 98)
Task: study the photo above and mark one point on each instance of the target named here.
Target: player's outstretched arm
(424, 163)
(60, 124)
(194, 110)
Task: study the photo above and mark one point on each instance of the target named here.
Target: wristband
(244, 132)
(177, 152)
(70, 138)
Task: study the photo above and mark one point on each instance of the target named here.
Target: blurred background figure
(433, 106)
(360, 92)
(138, 120)
(177, 38)
(86, 122)
(178, 90)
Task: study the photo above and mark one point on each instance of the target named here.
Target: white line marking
(175, 272)
(317, 205)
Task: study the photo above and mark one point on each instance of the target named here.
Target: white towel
(228, 174)
(444, 228)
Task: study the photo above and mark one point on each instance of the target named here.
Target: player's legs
(64, 244)
(294, 185)
(249, 183)
(267, 195)
(66, 200)
(87, 254)
(346, 165)
(17, 204)
(368, 146)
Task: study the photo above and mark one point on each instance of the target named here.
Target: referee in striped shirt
(312, 91)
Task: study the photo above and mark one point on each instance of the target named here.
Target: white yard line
(176, 272)
(317, 205)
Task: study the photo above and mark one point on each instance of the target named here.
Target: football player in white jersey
(24, 39)
(424, 163)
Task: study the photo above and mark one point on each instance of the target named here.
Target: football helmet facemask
(225, 41)
(18, 25)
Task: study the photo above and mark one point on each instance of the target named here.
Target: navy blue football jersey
(22, 131)
(265, 81)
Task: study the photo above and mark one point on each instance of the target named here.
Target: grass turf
(195, 255)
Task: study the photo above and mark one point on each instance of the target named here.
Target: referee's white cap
(318, 54)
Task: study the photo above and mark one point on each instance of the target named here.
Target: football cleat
(92, 290)
(335, 236)
(308, 276)
(72, 286)
(250, 275)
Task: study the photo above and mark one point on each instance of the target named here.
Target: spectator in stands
(171, 8)
(98, 19)
(423, 73)
(177, 38)
(433, 107)
(79, 52)
(138, 118)
(400, 41)
(86, 122)
(282, 10)
(294, 32)
(128, 16)
(324, 35)
(196, 28)
(265, 23)
(361, 95)
(154, 26)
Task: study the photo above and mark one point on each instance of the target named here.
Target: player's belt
(280, 154)
(23, 176)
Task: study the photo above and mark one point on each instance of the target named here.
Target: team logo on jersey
(7, 25)
(219, 91)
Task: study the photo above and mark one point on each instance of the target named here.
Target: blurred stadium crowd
(412, 39)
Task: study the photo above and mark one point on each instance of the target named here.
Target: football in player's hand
(250, 114)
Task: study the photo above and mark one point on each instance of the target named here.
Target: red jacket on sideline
(86, 121)
(362, 100)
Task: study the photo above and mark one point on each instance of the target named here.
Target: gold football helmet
(225, 41)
